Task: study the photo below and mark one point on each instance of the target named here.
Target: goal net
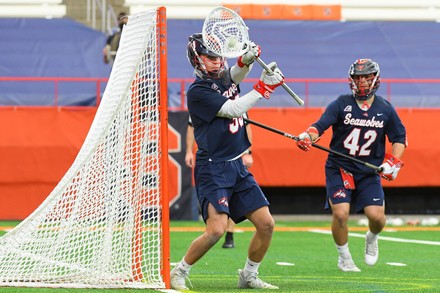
(105, 225)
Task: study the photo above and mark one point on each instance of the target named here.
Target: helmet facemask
(206, 64)
(360, 70)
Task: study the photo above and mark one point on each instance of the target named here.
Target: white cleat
(252, 282)
(177, 279)
(371, 250)
(346, 264)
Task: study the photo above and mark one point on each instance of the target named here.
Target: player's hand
(390, 167)
(304, 142)
(189, 159)
(269, 81)
(249, 57)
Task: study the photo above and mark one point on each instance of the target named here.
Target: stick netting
(101, 225)
(225, 33)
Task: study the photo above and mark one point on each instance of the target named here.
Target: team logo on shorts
(340, 194)
(223, 201)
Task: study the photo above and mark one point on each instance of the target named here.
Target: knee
(214, 235)
(341, 218)
(266, 226)
(378, 219)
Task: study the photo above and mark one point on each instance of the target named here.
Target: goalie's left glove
(249, 57)
(390, 167)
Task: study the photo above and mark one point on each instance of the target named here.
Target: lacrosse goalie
(225, 187)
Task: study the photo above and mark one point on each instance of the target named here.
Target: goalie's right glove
(390, 167)
(269, 81)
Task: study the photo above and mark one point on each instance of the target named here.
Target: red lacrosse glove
(390, 167)
(304, 142)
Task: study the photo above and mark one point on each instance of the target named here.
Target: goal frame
(163, 92)
(27, 252)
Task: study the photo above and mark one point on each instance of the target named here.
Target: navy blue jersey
(218, 139)
(358, 133)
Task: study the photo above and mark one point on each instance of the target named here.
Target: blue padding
(49, 48)
(326, 49)
(303, 49)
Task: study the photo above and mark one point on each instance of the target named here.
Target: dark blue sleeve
(395, 129)
(328, 118)
(204, 102)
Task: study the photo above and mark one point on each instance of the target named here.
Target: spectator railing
(316, 92)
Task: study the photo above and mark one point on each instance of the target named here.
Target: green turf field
(303, 258)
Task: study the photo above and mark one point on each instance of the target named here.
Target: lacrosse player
(360, 124)
(225, 187)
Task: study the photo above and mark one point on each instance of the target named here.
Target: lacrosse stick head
(225, 33)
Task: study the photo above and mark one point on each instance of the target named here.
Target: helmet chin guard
(371, 71)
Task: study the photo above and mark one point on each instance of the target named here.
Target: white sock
(343, 249)
(251, 266)
(370, 235)
(184, 266)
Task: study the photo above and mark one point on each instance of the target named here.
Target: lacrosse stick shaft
(285, 86)
(296, 138)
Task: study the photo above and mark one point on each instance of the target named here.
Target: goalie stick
(296, 138)
(225, 33)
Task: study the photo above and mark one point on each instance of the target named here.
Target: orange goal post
(106, 223)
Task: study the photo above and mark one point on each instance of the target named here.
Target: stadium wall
(39, 144)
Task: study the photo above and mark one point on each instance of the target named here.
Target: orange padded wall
(287, 12)
(38, 145)
(278, 162)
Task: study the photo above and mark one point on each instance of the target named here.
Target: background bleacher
(38, 47)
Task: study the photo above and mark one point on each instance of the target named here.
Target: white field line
(393, 239)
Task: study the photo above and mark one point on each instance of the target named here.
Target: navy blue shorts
(368, 190)
(229, 187)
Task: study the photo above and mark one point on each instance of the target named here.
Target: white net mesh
(225, 33)
(101, 225)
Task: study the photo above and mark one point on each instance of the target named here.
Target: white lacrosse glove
(249, 57)
(269, 81)
(390, 167)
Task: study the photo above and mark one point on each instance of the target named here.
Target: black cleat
(228, 244)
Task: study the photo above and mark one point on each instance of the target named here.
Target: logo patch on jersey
(347, 109)
(365, 114)
(231, 92)
(340, 194)
(223, 201)
(214, 86)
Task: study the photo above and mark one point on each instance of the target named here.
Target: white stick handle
(285, 86)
